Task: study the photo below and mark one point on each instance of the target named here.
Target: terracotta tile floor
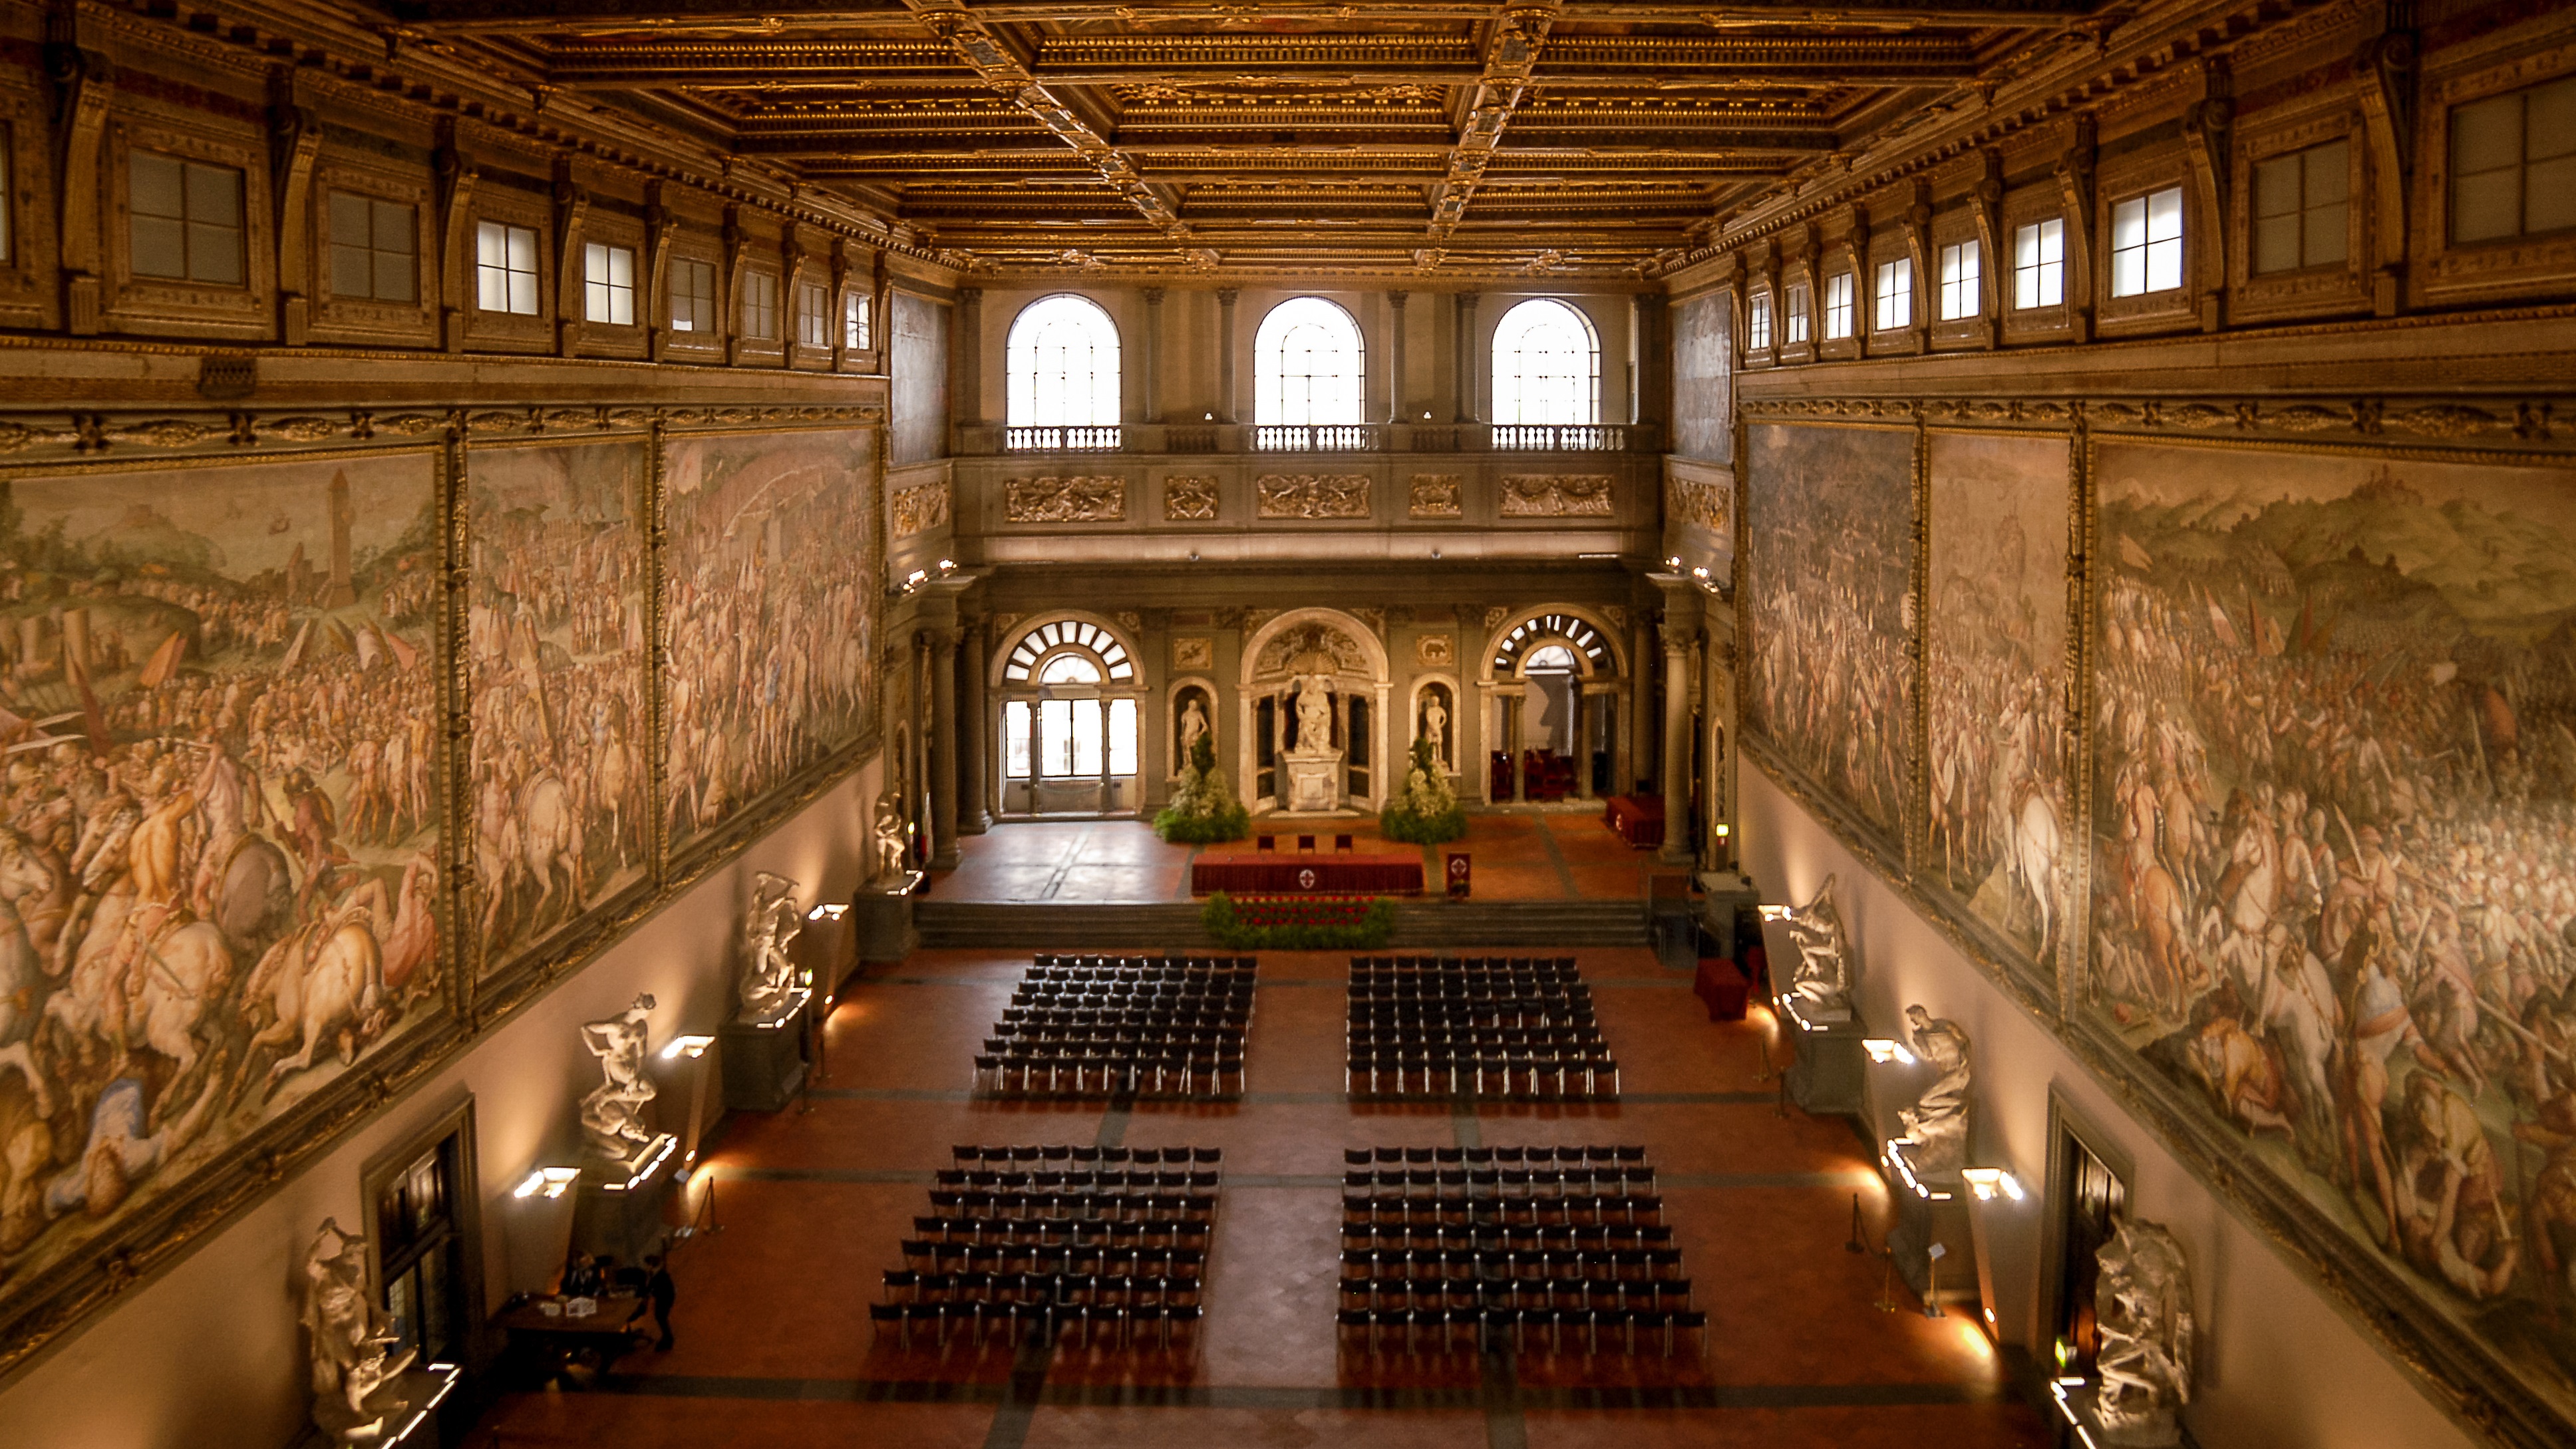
(775, 1347)
(1550, 855)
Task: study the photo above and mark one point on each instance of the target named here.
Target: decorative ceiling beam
(1007, 72)
(754, 17)
(1511, 51)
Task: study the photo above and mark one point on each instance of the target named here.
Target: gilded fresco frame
(39, 1312)
(2467, 1378)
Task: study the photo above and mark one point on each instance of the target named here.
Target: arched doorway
(1554, 695)
(1314, 703)
(1069, 697)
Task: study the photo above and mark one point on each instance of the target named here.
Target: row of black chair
(1596, 1240)
(1445, 1026)
(1625, 1209)
(923, 1256)
(1143, 1207)
(1403, 965)
(1016, 1319)
(1575, 1072)
(1502, 1181)
(1059, 1180)
(1193, 963)
(1111, 1071)
(1494, 1156)
(1121, 1026)
(1068, 1153)
(1161, 1230)
(1524, 1328)
(1635, 1265)
(906, 1285)
(1667, 1294)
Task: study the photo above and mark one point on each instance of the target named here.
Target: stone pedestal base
(1314, 783)
(402, 1411)
(2081, 1406)
(764, 1061)
(1931, 1212)
(1828, 1066)
(618, 1205)
(881, 919)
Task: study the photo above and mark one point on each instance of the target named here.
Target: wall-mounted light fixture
(1883, 1051)
(547, 1182)
(1989, 1183)
(692, 1047)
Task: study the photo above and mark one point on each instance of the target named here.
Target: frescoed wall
(1703, 379)
(770, 617)
(1999, 835)
(2335, 850)
(219, 871)
(1830, 524)
(918, 361)
(558, 626)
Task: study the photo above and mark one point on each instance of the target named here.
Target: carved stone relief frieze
(1065, 500)
(1435, 651)
(1700, 503)
(1436, 495)
(1189, 500)
(1313, 495)
(920, 509)
(1193, 651)
(1550, 495)
(1307, 648)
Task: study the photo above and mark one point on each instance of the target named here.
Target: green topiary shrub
(1426, 811)
(1203, 810)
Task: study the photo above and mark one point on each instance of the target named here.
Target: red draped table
(1309, 875)
(1639, 819)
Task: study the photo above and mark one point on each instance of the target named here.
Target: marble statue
(892, 862)
(2142, 1304)
(1435, 728)
(353, 1340)
(1193, 725)
(1820, 978)
(612, 1115)
(1936, 1126)
(1314, 717)
(769, 928)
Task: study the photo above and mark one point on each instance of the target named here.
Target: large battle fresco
(1830, 529)
(218, 868)
(1999, 831)
(558, 630)
(2335, 849)
(770, 606)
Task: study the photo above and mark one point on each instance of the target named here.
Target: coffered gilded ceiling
(1410, 138)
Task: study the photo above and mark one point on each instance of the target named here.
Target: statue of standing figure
(1936, 1126)
(2142, 1304)
(1314, 717)
(891, 858)
(612, 1115)
(1435, 728)
(1193, 726)
(769, 928)
(352, 1339)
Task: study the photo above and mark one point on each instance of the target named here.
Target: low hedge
(1299, 923)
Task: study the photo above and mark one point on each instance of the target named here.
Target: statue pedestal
(881, 919)
(1828, 1066)
(827, 949)
(404, 1409)
(1314, 783)
(2080, 1404)
(764, 1060)
(618, 1204)
(1931, 1211)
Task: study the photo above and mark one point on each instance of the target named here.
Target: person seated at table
(582, 1277)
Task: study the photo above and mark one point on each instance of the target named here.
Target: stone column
(974, 747)
(1677, 743)
(1466, 380)
(1225, 299)
(1395, 358)
(943, 741)
(1152, 355)
(968, 346)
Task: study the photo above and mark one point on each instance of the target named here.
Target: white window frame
(813, 314)
(693, 296)
(1757, 323)
(856, 326)
(1062, 365)
(759, 306)
(1963, 295)
(1839, 306)
(2147, 238)
(1797, 319)
(365, 250)
(2039, 264)
(608, 284)
(1559, 388)
(1287, 338)
(506, 271)
(1892, 300)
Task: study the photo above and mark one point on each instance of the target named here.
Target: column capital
(1396, 299)
(970, 296)
(1225, 296)
(1153, 296)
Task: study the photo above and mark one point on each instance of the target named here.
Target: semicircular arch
(1580, 627)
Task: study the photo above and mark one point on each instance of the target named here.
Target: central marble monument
(1314, 766)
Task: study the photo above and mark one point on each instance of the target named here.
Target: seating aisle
(776, 1343)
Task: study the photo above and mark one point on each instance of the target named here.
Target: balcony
(984, 440)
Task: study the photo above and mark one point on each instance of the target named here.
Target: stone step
(1050, 925)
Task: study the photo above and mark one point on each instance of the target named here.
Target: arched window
(1063, 360)
(1547, 365)
(1307, 365)
(1069, 721)
(1088, 650)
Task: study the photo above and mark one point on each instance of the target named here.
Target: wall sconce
(1699, 573)
(1884, 1051)
(1673, 562)
(547, 1182)
(1770, 913)
(1990, 1182)
(692, 1047)
(1724, 830)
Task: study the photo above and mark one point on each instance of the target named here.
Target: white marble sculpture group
(1820, 980)
(770, 979)
(2142, 1306)
(1936, 1126)
(354, 1363)
(612, 1113)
